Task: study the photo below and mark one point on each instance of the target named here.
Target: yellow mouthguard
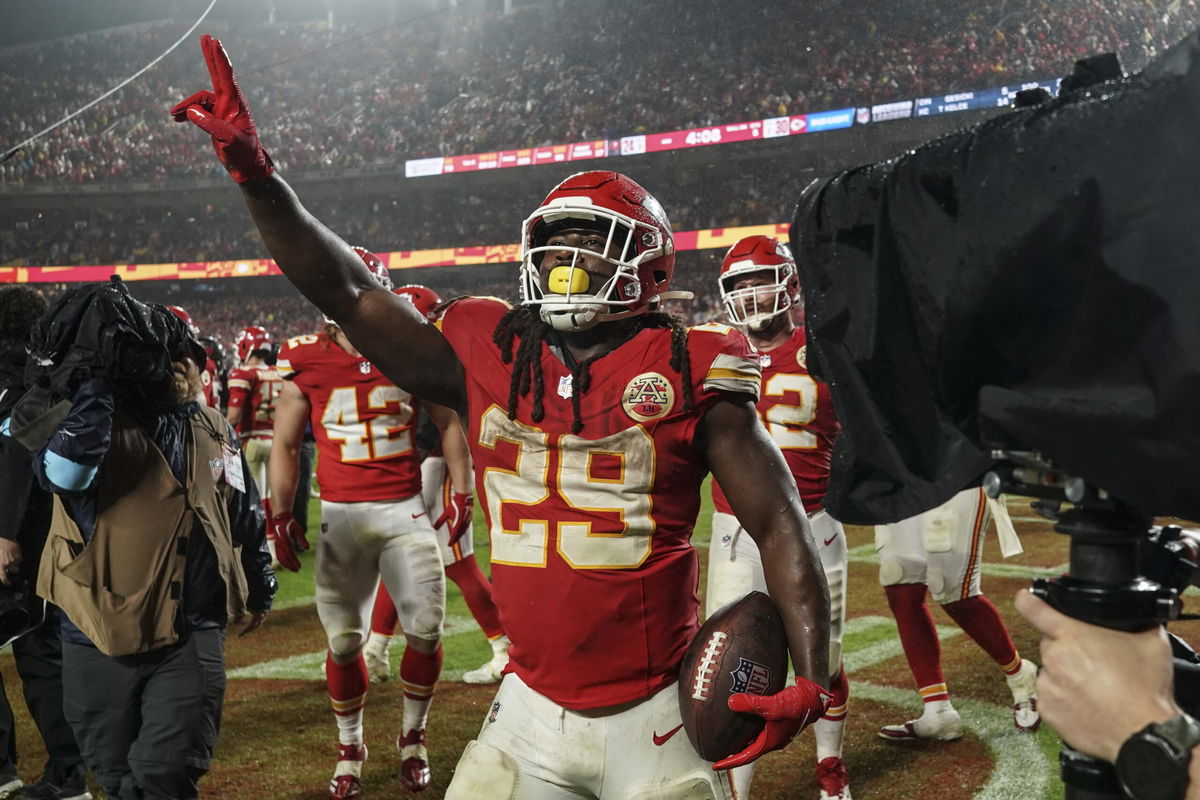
(562, 280)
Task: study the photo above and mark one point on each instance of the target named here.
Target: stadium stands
(471, 82)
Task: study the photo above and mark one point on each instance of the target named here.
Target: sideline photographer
(157, 540)
(24, 521)
(1108, 694)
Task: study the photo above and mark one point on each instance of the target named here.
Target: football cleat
(832, 779)
(346, 783)
(1023, 686)
(10, 786)
(944, 725)
(492, 671)
(379, 669)
(414, 760)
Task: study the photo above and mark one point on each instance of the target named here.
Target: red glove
(457, 514)
(284, 522)
(222, 114)
(786, 713)
(284, 532)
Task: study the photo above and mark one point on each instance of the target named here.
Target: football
(740, 648)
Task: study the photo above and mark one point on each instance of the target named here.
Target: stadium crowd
(223, 308)
(469, 82)
(178, 231)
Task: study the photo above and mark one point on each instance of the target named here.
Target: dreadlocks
(524, 322)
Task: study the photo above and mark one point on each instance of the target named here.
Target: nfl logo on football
(750, 677)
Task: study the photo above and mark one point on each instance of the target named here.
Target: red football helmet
(379, 272)
(187, 320)
(425, 299)
(755, 306)
(250, 339)
(639, 245)
(376, 265)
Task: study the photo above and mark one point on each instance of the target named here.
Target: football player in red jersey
(592, 420)
(253, 386)
(452, 512)
(374, 524)
(759, 287)
(940, 552)
(209, 375)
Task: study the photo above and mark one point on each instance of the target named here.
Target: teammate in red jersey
(451, 508)
(374, 524)
(940, 552)
(209, 374)
(253, 387)
(592, 420)
(759, 287)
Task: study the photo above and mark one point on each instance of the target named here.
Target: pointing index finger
(206, 46)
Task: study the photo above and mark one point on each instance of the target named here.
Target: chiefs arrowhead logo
(649, 396)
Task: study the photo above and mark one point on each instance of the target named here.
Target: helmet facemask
(568, 297)
(753, 307)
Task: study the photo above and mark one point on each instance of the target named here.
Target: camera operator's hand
(223, 114)
(10, 560)
(1097, 686)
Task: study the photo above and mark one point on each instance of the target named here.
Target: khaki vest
(122, 587)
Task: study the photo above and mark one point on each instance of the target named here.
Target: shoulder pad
(713, 327)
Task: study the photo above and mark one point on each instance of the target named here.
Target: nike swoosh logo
(830, 539)
(659, 741)
(418, 516)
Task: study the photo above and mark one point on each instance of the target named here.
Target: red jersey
(255, 389)
(210, 380)
(593, 570)
(362, 422)
(797, 411)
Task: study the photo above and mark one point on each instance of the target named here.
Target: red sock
(917, 634)
(383, 615)
(419, 672)
(477, 591)
(347, 685)
(840, 686)
(980, 619)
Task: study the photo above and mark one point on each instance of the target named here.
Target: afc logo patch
(750, 677)
(649, 396)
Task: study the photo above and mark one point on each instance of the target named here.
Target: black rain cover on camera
(100, 329)
(1033, 281)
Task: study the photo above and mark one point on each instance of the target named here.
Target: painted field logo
(648, 396)
(750, 677)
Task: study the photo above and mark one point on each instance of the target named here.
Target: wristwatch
(1153, 763)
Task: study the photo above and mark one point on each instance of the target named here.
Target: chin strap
(584, 318)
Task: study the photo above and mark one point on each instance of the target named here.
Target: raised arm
(762, 492)
(384, 328)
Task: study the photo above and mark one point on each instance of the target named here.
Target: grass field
(278, 735)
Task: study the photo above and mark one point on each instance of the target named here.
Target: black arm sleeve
(248, 525)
